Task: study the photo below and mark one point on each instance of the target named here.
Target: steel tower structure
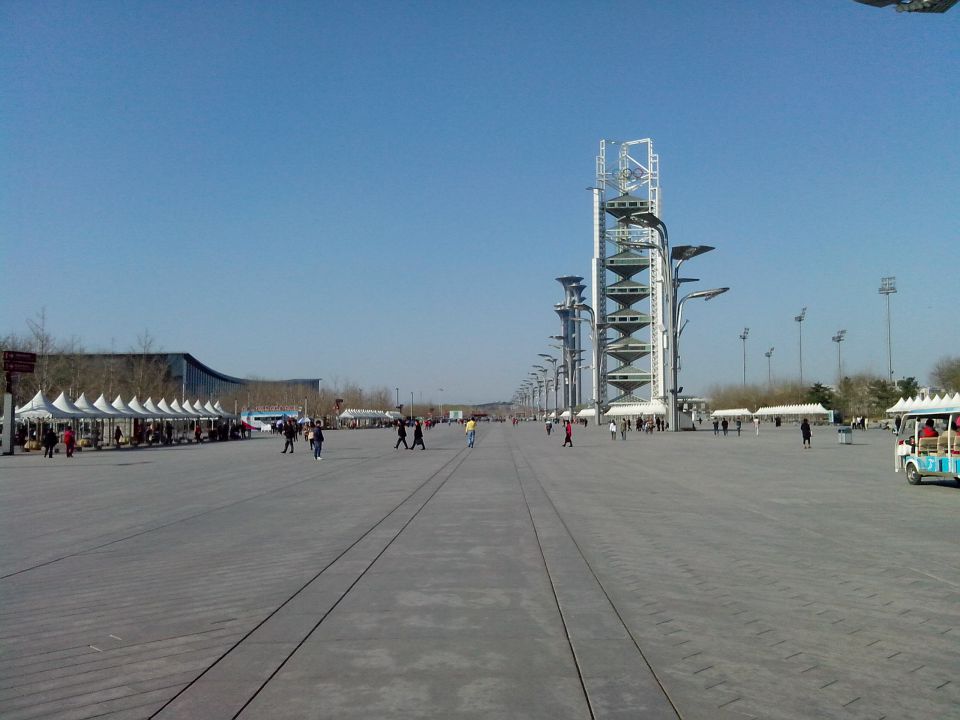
(628, 183)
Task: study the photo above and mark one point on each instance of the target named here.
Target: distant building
(193, 377)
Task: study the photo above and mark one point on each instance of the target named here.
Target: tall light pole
(838, 338)
(888, 286)
(596, 343)
(743, 336)
(799, 319)
(769, 354)
(556, 377)
(440, 390)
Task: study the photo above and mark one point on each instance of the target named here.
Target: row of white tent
(774, 411)
(39, 408)
(936, 402)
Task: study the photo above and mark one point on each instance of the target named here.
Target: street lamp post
(769, 354)
(799, 319)
(743, 336)
(556, 377)
(839, 338)
(596, 343)
(888, 286)
(672, 260)
(440, 390)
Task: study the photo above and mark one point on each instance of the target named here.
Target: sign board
(18, 367)
(20, 357)
(456, 414)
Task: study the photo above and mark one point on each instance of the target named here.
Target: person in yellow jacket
(471, 430)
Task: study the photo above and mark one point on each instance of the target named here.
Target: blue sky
(385, 193)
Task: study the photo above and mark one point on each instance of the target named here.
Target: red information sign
(18, 367)
(21, 357)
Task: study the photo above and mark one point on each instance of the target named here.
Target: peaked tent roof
(151, 407)
(184, 409)
(39, 407)
(125, 409)
(64, 403)
(88, 407)
(104, 406)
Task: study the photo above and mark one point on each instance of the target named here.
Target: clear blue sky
(384, 193)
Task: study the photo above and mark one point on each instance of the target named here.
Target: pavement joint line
(826, 685)
(940, 687)
(812, 667)
(870, 644)
(890, 657)
(793, 656)
(851, 702)
(695, 672)
(729, 702)
(687, 657)
(716, 684)
(918, 667)
(778, 642)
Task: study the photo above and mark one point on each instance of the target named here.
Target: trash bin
(845, 435)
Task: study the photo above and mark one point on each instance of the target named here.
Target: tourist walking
(623, 429)
(725, 425)
(317, 441)
(756, 425)
(549, 427)
(613, 429)
(401, 434)
(49, 442)
(568, 434)
(70, 440)
(470, 430)
(739, 426)
(289, 433)
(716, 426)
(198, 433)
(418, 437)
(806, 433)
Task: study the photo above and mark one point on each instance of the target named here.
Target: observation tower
(628, 293)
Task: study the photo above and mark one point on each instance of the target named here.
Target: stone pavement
(668, 576)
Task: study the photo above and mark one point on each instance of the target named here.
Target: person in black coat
(317, 441)
(418, 437)
(290, 431)
(49, 442)
(401, 435)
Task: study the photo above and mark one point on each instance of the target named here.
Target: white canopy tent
(934, 403)
(357, 414)
(798, 410)
(39, 408)
(732, 412)
(587, 413)
(637, 409)
(138, 408)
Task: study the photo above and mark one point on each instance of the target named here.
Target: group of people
(469, 429)
(312, 432)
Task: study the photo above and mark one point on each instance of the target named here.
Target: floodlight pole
(888, 286)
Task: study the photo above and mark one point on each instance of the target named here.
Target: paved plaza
(665, 576)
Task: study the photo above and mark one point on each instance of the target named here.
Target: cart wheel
(913, 475)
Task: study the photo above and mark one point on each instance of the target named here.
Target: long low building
(194, 378)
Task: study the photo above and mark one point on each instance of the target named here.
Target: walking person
(739, 426)
(289, 433)
(198, 433)
(549, 427)
(725, 425)
(317, 441)
(568, 434)
(756, 425)
(613, 429)
(418, 437)
(716, 426)
(70, 440)
(401, 434)
(49, 442)
(470, 430)
(806, 434)
(623, 429)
